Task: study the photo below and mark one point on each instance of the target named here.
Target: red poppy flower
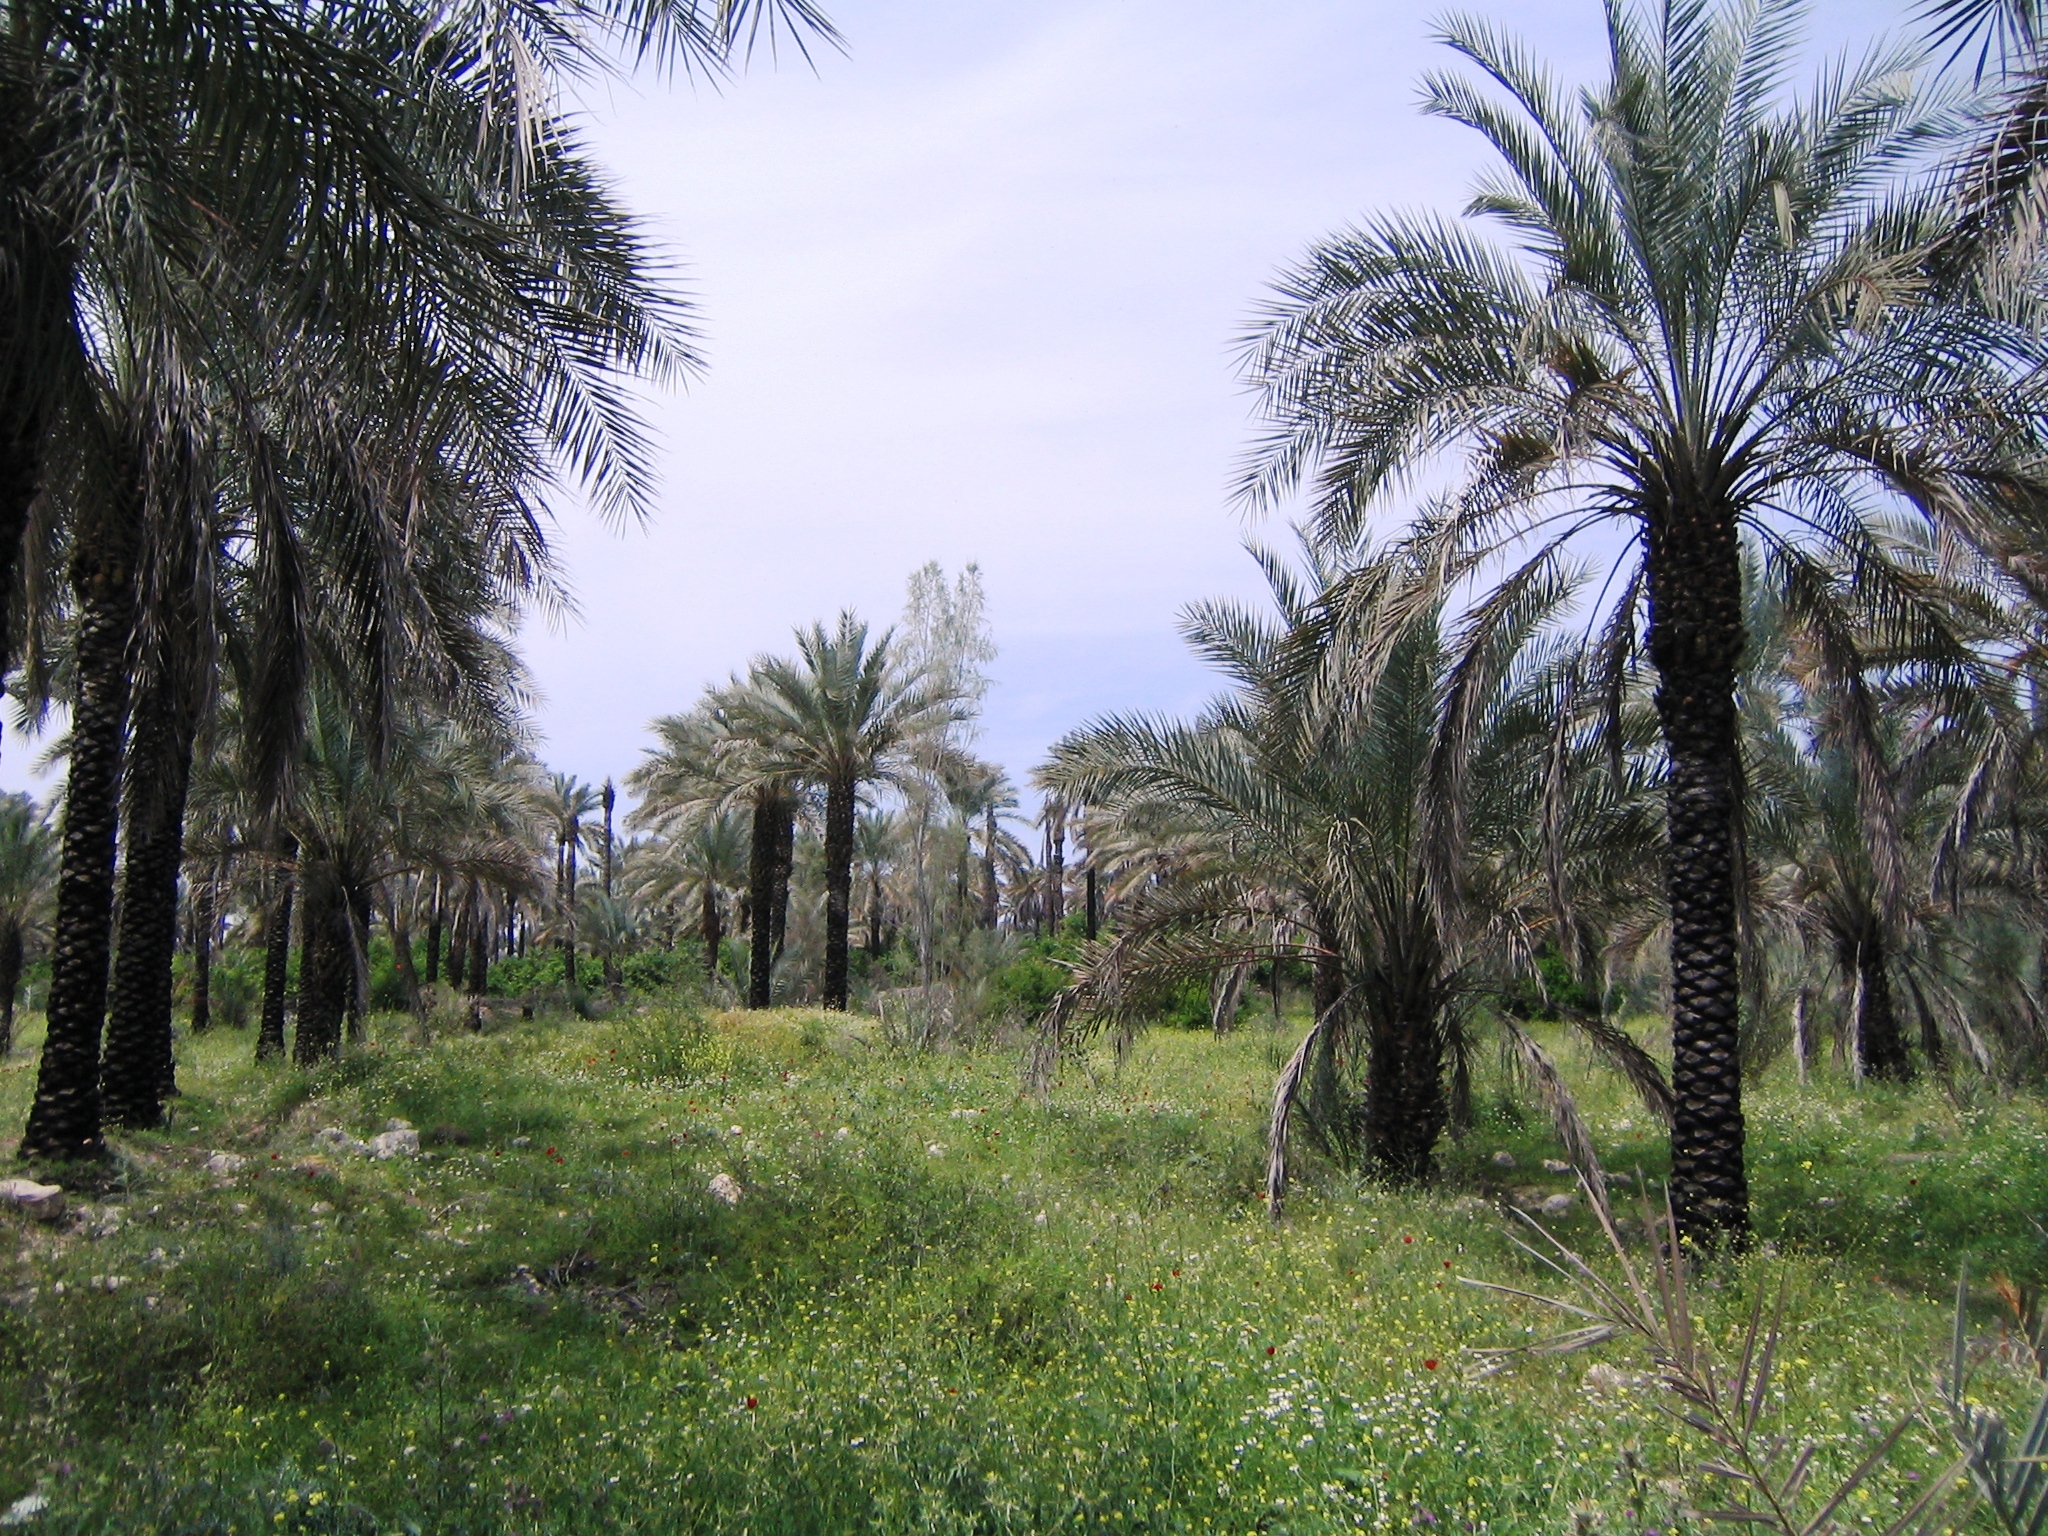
(1429, 1365)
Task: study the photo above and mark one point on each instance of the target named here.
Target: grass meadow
(937, 1306)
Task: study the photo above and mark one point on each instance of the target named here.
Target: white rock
(1554, 1165)
(335, 1136)
(396, 1124)
(738, 1131)
(966, 1114)
(39, 1202)
(1503, 1159)
(522, 1141)
(841, 1134)
(323, 1208)
(1556, 1205)
(935, 1149)
(725, 1187)
(225, 1162)
(389, 1144)
(1603, 1379)
(1038, 1220)
(24, 1509)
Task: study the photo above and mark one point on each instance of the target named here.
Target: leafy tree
(845, 713)
(1711, 317)
(1416, 838)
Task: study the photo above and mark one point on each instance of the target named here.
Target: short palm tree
(1414, 839)
(845, 713)
(1710, 318)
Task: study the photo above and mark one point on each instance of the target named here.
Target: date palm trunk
(205, 918)
(324, 966)
(11, 955)
(772, 813)
(277, 951)
(875, 911)
(569, 905)
(1405, 1106)
(991, 893)
(434, 937)
(64, 1121)
(1880, 1042)
(712, 927)
(839, 813)
(1694, 571)
(479, 935)
(398, 914)
(138, 1072)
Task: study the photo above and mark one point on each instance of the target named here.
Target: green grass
(938, 1306)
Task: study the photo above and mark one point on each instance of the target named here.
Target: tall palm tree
(1710, 318)
(369, 107)
(564, 803)
(845, 713)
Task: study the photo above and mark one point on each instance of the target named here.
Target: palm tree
(703, 865)
(564, 803)
(1416, 840)
(1711, 320)
(28, 872)
(258, 225)
(844, 714)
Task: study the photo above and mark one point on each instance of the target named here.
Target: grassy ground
(937, 1306)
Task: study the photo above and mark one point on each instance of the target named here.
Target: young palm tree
(844, 714)
(1414, 839)
(1711, 318)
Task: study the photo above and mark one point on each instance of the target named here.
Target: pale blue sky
(969, 292)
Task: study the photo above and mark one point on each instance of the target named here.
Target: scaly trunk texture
(458, 947)
(1056, 875)
(569, 916)
(1093, 919)
(434, 939)
(35, 314)
(785, 866)
(479, 933)
(610, 799)
(277, 952)
(713, 931)
(65, 1118)
(358, 932)
(1695, 641)
(1325, 1091)
(324, 968)
(839, 810)
(1880, 1043)
(138, 1072)
(1405, 1107)
(991, 893)
(761, 897)
(205, 918)
(10, 982)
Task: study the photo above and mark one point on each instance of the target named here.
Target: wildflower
(753, 1403)
(1429, 1365)
(1269, 1348)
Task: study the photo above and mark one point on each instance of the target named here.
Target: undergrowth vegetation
(936, 1305)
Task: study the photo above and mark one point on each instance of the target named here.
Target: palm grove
(1661, 639)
